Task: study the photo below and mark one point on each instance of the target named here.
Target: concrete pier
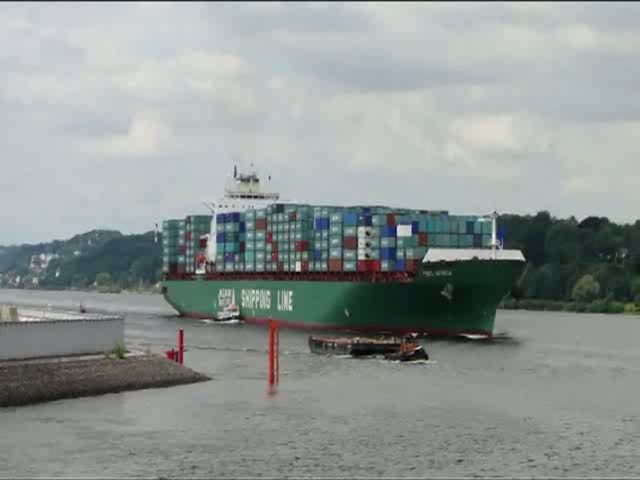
(49, 355)
(27, 382)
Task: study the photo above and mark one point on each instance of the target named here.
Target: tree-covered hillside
(593, 264)
(119, 261)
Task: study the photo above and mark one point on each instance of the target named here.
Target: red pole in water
(271, 353)
(276, 334)
(180, 346)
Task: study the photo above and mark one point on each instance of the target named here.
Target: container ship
(369, 269)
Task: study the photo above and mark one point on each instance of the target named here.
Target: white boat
(230, 312)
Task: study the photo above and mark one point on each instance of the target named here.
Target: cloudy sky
(120, 115)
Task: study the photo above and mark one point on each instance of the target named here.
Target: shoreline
(28, 382)
(602, 306)
(529, 304)
(151, 291)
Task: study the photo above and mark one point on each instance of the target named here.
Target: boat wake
(221, 322)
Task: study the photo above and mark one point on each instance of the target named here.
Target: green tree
(635, 290)
(79, 280)
(103, 280)
(586, 289)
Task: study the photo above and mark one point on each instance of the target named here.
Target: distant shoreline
(597, 306)
(146, 291)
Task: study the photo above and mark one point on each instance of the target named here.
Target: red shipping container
(274, 256)
(274, 247)
(281, 266)
(423, 239)
(410, 265)
(293, 216)
(180, 269)
(391, 219)
(242, 247)
(302, 246)
(261, 224)
(363, 265)
(183, 249)
(269, 237)
(304, 265)
(335, 265)
(375, 266)
(187, 236)
(203, 243)
(350, 243)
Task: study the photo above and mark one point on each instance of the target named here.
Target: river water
(558, 396)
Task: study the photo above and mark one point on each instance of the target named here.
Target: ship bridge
(243, 191)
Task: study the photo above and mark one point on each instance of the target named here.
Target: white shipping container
(365, 243)
(404, 230)
(368, 232)
(298, 266)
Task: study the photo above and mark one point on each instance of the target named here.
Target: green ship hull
(443, 298)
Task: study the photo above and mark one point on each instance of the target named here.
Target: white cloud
(487, 104)
(146, 136)
(585, 185)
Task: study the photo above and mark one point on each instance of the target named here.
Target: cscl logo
(226, 297)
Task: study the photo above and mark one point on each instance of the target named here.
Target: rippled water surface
(557, 397)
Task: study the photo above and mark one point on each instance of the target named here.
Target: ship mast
(494, 236)
(493, 218)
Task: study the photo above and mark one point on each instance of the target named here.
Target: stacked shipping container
(173, 232)
(305, 238)
(197, 227)
(182, 245)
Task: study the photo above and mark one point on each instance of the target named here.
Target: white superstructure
(242, 192)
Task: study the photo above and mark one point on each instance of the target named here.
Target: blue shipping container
(221, 218)
(322, 224)
(389, 231)
(368, 220)
(400, 265)
(242, 227)
(228, 257)
(415, 227)
(235, 217)
(317, 255)
(388, 253)
(220, 238)
(350, 219)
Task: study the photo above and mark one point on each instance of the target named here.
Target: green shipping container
(388, 265)
(350, 231)
(349, 265)
(388, 242)
(231, 247)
